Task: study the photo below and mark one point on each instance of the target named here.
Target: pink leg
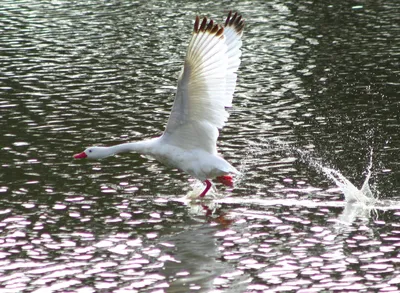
(226, 180)
(208, 186)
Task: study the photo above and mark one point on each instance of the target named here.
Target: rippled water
(321, 77)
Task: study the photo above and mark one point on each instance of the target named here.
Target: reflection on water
(321, 77)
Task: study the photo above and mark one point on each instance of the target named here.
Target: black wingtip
(235, 21)
(208, 26)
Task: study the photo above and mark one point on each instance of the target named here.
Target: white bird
(205, 89)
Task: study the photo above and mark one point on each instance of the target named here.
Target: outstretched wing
(206, 85)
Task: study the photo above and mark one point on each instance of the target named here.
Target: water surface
(319, 77)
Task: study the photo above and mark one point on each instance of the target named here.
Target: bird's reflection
(218, 216)
(196, 252)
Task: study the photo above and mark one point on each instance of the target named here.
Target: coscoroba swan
(205, 89)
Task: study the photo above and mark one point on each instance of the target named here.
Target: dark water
(319, 76)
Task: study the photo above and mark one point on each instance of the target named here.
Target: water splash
(350, 191)
(243, 167)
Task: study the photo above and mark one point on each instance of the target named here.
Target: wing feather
(233, 33)
(205, 85)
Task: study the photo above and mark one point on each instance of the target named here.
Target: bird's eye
(90, 151)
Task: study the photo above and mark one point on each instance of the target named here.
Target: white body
(196, 162)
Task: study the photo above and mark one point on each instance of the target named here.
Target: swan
(205, 89)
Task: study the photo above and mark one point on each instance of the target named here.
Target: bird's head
(94, 153)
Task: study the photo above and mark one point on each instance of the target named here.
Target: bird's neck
(142, 147)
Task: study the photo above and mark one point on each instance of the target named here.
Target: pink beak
(80, 156)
